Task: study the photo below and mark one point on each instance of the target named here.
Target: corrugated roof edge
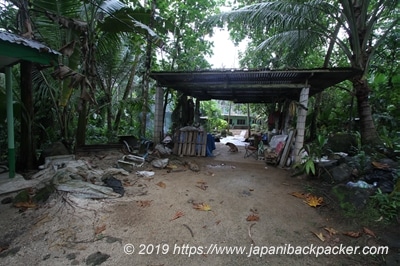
(13, 38)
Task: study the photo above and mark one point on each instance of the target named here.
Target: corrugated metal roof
(33, 50)
(253, 85)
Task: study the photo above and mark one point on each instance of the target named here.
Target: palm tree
(294, 26)
(89, 32)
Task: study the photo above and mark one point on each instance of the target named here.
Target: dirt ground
(157, 223)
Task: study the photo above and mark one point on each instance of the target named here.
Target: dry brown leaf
(299, 195)
(202, 207)
(144, 203)
(202, 186)
(380, 165)
(99, 229)
(252, 218)
(314, 201)
(217, 222)
(26, 204)
(177, 215)
(331, 231)
(369, 232)
(352, 234)
(320, 236)
(161, 184)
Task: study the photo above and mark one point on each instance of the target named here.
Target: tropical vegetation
(101, 87)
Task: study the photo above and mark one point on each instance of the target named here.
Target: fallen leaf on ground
(202, 207)
(3, 248)
(299, 195)
(171, 166)
(177, 215)
(369, 232)
(320, 236)
(380, 165)
(161, 184)
(331, 231)
(99, 229)
(352, 234)
(314, 201)
(26, 204)
(217, 222)
(202, 186)
(252, 218)
(143, 203)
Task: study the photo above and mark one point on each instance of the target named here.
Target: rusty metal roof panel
(255, 85)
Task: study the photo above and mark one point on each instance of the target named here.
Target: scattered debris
(115, 184)
(353, 234)
(249, 232)
(192, 166)
(202, 185)
(202, 206)
(177, 215)
(144, 203)
(253, 217)
(161, 184)
(160, 163)
(369, 232)
(99, 229)
(331, 231)
(145, 173)
(320, 236)
(190, 230)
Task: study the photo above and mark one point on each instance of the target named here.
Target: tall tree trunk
(369, 135)
(27, 150)
(146, 75)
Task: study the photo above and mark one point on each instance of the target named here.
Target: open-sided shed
(13, 49)
(251, 86)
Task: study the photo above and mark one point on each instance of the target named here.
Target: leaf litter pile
(314, 201)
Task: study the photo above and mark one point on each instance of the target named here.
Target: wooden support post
(301, 123)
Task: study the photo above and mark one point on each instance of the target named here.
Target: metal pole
(10, 124)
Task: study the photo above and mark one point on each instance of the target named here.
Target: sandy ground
(70, 231)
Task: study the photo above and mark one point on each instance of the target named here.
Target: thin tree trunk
(127, 92)
(27, 149)
(82, 123)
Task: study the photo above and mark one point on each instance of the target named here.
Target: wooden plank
(286, 149)
(204, 147)
(189, 143)
(193, 143)
(179, 140)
